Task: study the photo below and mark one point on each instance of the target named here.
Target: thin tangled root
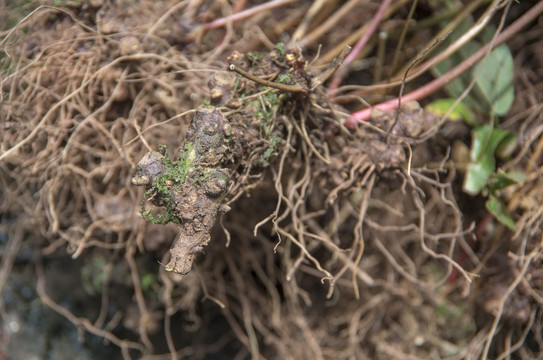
(80, 109)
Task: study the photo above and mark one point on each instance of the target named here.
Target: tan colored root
(324, 248)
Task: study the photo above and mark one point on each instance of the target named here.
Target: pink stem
(434, 85)
(240, 4)
(245, 14)
(338, 76)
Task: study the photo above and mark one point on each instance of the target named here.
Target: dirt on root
(174, 186)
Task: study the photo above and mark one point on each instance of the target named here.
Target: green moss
(271, 99)
(147, 281)
(176, 174)
(269, 104)
(280, 46)
(160, 219)
(264, 160)
(286, 79)
(64, 3)
(17, 10)
(94, 273)
(254, 57)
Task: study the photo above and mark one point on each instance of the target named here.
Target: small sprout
(234, 104)
(141, 180)
(227, 129)
(224, 208)
(216, 94)
(290, 58)
(216, 184)
(209, 130)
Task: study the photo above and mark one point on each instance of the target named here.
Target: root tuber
(193, 188)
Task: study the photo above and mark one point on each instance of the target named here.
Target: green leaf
(495, 79)
(501, 179)
(457, 86)
(147, 281)
(440, 108)
(506, 147)
(484, 142)
(498, 209)
(493, 91)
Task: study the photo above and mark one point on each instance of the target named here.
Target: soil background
(321, 240)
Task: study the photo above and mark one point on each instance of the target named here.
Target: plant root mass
(281, 179)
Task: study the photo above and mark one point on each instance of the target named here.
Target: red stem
(240, 4)
(245, 14)
(435, 85)
(338, 76)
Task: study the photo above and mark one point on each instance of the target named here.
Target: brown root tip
(180, 264)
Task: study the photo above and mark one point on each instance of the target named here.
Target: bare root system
(191, 165)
